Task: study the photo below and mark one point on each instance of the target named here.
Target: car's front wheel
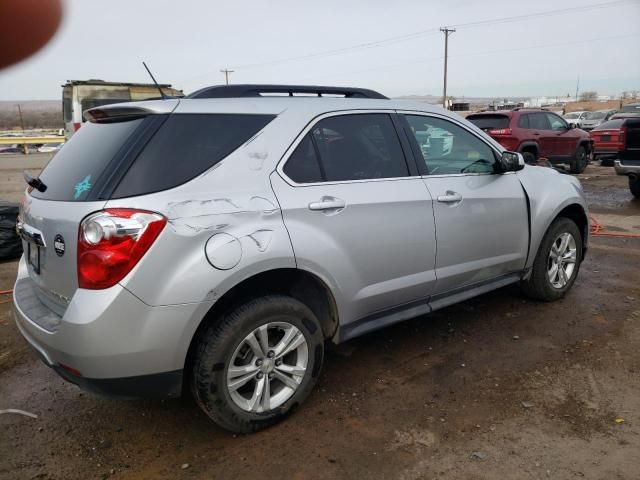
(256, 363)
(557, 262)
(580, 161)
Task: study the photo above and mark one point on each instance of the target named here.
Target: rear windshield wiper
(34, 182)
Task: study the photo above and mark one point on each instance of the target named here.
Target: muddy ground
(496, 387)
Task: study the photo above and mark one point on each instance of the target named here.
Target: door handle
(450, 197)
(536, 133)
(327, 203)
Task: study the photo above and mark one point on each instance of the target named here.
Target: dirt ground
(495, 387)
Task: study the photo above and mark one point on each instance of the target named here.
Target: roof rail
(236, 91)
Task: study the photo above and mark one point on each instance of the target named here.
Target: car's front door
(481, 217)
(358, 214)
(565, 138)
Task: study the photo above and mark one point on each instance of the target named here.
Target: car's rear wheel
(634, 186)
(557, 262)
(258, 362)
(580, 160)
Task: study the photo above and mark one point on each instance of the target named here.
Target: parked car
(628, 162)
(537, 133)
(15, 148)
(236, 233)
(575, 119)
(593, 119)
(49, 147)
(608, 141)
(627, 111)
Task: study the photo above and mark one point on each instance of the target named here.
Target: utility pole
(21, 121)
(577, 85)
(226, 75)
(447, 31)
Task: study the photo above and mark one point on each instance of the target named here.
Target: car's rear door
(481, 217)
(358, 214)
(542, 134)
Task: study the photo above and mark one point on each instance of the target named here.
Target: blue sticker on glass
(82, 187)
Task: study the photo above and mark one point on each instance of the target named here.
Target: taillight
(499, 131)
(111, 242)
(621, 136)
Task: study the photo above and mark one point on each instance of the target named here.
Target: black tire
(580, 161)
(607, 162)
(530, 158)
(634, 186)
(216, 349)
(538, 286)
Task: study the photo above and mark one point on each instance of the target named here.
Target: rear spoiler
(123, 112)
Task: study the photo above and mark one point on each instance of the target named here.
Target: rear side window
(185, 146)
(348, 147)
(73, 171)
(538, 121)
(303, 165)
(489, 122)
(524, 121)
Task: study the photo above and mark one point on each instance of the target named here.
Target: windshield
(572, 115)
(611, 124)
(596, 115)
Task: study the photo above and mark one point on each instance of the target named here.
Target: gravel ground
(495, 387)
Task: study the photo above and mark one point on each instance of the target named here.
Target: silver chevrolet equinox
(216, 242)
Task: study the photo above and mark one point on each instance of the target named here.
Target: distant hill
(35, 114)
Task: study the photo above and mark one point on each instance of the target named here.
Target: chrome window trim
(314, 121)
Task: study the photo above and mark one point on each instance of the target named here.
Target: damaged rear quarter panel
(234, 197)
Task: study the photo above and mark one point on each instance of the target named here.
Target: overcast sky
(187, 42)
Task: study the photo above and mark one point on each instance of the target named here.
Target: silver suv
(217, 242)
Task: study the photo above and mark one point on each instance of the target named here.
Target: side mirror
(511, 162)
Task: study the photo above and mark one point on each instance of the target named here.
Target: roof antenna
(162, 95)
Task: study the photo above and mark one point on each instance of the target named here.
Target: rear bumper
(622, 169)
(119, 345)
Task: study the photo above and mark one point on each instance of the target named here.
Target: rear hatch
(497, 126)
(124, 151)
(49, 219)
(607, 136)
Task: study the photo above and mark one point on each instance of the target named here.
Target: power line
(411, 36)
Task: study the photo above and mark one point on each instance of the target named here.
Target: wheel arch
(529, 146)
(297, 283)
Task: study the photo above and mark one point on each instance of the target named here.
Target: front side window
(348, 147)
(556, 122)
(448, 148)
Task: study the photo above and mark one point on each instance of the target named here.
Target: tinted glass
(635, 108)
(556, 122)
(303, 166)
(359, 147)
(72, 172)
(524, 121)
(489, 122)
(448, 148)
(597, 115)
(538, 121)
(185, 146)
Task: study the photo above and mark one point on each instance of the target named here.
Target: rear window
(489, 122)
(611, 124)
(72, 172)
(185, 146)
